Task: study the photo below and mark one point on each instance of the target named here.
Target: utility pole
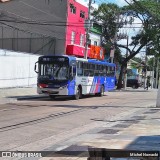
(87, 26)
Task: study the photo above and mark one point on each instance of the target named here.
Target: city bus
(72, 76)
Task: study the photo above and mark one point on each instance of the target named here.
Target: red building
(75, 31)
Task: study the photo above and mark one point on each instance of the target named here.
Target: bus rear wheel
(78, 93)
(101, 93)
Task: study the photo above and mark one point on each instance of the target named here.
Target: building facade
(42, 26)
(31, 28)
(75, 31)
(45, 27)
(34, 26)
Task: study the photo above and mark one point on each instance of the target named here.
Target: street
(79, 79)
(52, 125)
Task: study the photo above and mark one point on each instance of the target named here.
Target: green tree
(148, 11)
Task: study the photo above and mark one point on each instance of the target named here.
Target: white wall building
(17, 69)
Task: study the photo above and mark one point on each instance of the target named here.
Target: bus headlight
(62, 87)
(41, 85)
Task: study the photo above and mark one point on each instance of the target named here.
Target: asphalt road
(45, 124)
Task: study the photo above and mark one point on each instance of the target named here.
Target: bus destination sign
(53, 59)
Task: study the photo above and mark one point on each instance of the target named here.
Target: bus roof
(100, 62)
(83, 59)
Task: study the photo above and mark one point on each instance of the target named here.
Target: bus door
(111, 77)
(72, 82)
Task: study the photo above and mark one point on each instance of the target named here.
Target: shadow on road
(47, 98)
(130, 90)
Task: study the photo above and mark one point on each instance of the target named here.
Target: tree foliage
(107, 14)
(147, 11)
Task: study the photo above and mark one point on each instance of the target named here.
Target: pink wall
(75, 22)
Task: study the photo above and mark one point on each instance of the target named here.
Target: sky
(118, 2)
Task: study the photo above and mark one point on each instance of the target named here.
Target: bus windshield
(53, 71)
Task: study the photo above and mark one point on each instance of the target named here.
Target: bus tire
(78, 94)
(101, 93)
(52, 96)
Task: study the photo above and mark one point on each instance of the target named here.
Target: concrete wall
(33, 13)
(17, 69)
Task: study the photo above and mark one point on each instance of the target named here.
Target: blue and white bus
(72, 76)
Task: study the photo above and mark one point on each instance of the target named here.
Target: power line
(144, 8)
(24, 30)
(46, 23)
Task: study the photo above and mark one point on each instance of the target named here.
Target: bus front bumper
(52, 91)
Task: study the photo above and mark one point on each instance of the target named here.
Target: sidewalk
(8, 95)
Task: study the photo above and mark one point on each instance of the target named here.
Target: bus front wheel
(78, 93)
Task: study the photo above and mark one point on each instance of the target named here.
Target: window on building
(82, 14)
(82, 40)
(73, 37)
(72, 9)
(95, 43)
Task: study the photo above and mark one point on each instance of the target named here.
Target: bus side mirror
(35, 67)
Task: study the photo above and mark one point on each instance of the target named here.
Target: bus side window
(113, 71)
(84, 69)
(79, 72)
(91, 70)
(92, 67)
(87, 69)
(96, 70)
(86, 72)
(84, 65)
(79, 69)
(101, 70)
(108, 71)
(104, 71)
